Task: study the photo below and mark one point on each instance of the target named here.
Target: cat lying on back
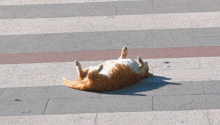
(110, 75)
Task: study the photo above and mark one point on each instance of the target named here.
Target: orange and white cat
(110, 75)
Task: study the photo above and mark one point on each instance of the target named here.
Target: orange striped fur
(118, 74)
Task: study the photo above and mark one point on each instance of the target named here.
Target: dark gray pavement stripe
(101, 105)
(107, 8)
(186, 102)
(25, 107)
(64, 42)
(161, 96)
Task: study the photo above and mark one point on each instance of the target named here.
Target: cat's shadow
(143, 86)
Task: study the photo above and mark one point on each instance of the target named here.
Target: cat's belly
(109, 65)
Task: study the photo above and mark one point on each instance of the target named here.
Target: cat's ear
(99, 69)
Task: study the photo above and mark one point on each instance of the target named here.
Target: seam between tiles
(95, 118)
(46, 106)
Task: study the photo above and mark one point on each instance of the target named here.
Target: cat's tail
(73, 84)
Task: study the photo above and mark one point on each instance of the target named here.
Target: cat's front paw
(77, 63)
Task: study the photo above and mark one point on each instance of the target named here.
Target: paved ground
(40, 40)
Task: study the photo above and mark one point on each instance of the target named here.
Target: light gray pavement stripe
(110, 8)
(30, 2)
(189, 117)
(67, 119)
(108, 23)
(51, 74)
(63, 42)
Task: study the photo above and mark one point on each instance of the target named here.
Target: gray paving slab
(159, 88)
(72, 106)
(180, 102)
(123, 104)
(186, 102)
(192, 117)
(212, 101)
(179, 6)
(108, 40)
(134, 7)
(1, 91)
(107, 8)
(126, 104)
(77, 9)
(211, 87)
(57, 10)
(47, 92)
(22, 107)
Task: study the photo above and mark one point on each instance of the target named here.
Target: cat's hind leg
(98, 70)
(124, 53)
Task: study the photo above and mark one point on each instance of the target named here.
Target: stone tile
(93, 105)
(25, 75)
(1, 91)
(214, 116)
(185, 5)
(58, 10)
(175, 37)
(186, 102)
(206, 32)
(133, 90)
(209, 62)
(180, 102)
(49, 92)
(36, 68)
(126, 104)
(186, 75)
(64, 119)
(211, 87)
(29, 80)
(7, 69)
(192, 117)
(178, 88)
(173, 63)
(73, 106)
(133, 7)
(212, 101)
(207, 41)
(22, 107)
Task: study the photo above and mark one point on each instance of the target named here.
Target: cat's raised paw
(124, 48)
(124, 53)
(77, 63)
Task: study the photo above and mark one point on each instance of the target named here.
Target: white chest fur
(107, 67)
